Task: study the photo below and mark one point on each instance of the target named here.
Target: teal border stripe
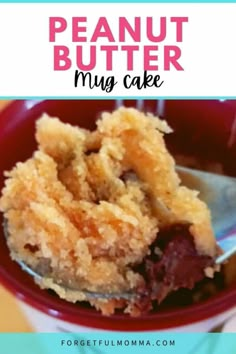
(223, 98)
(119, 1)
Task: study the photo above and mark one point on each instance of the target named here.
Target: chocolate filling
(173, 264)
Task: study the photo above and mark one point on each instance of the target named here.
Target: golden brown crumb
(91, 203)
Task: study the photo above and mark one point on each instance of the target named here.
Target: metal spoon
(219, 193)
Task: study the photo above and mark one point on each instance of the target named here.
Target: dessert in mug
(105, 211)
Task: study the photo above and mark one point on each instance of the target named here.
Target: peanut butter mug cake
(105, 211)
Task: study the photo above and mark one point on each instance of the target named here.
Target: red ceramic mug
(202, 128)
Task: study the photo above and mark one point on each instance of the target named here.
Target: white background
(208, 50)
